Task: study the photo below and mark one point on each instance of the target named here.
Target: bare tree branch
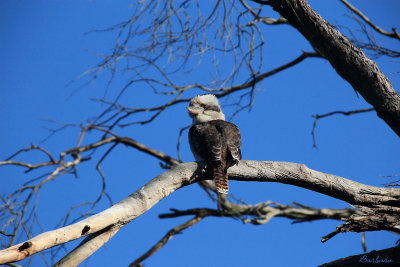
(17, 205)
(268, 21)
(346, 113)
(263, 212)
(122, 113)
(371, 43)
(349, 61)
(174, 36)
(87, 247)
(383, 203)
(176, 230)
(363, 243)
(394, 34)
(116, 216)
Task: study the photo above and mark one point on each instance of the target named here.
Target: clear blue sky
(44, 47)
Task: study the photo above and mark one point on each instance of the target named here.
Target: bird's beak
(193, 111)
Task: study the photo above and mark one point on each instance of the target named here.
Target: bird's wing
(205, 141)
(232, 136)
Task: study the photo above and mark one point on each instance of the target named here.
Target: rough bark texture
(349, 61)
(300, 175)
(380, 206)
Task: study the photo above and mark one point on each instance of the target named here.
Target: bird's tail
(220, 179)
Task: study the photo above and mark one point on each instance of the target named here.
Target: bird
(212, 139)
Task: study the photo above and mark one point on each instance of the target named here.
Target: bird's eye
(213, 108)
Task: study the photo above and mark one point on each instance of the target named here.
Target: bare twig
(225, 30)
(176, 230)
(394, 34)
(178, 145)
(376, 49)
(122, 112)
(392, 184)
(363, 243)
(330, 235)
(382, 201)
(346, 113)
(357, 69)
(266, 20)
(17, 210)
(262, 213)
(5, 234)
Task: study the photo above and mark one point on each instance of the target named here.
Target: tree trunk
(349, 61)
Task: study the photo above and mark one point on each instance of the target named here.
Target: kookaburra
(212, 139)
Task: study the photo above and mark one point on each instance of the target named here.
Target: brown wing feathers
(218, 143)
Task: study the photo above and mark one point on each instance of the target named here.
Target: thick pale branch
(184, 174)
(62, 166)
(328, 184)
(87, 247)
(261, 214)
(116, 216)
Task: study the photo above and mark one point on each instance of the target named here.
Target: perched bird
(212, 139)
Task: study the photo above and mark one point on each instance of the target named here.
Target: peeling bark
(380, 202)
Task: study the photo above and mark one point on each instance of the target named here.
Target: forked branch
(261, 213)
(349, 61)
(380, 200)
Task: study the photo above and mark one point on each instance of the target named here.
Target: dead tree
(239, 34)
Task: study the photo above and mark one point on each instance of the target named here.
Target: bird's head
(203, 108)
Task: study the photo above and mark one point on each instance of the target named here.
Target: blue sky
(44, 47)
